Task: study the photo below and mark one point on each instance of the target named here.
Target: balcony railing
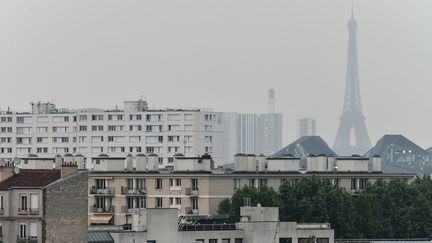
(1, 213)
(193, 192)
(208, 227)
(190, 211)
(134, 191)
(102, 191)
(94, 209)
(23, 211)
(33, 211)
(31, 239)
(125, 209)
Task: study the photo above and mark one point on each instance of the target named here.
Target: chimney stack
(271, 104)
(68, 168)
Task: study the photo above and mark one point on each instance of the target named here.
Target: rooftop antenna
(352, 8)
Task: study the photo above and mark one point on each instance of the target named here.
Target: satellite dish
(16, 170)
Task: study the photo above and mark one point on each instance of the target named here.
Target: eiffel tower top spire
(352, 136)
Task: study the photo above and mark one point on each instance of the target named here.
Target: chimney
(67, 169)
(6, 171)
(271, 104)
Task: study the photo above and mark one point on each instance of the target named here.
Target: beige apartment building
(43, 205)
(117, 186)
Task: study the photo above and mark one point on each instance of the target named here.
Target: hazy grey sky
(223, 54)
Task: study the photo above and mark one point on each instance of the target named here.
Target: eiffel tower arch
(352, 136)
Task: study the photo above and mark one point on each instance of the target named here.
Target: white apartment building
(47, 131)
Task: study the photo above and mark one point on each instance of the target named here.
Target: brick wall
(66, 209)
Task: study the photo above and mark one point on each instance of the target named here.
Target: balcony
(33, 211)
(108, 210)
(102, 191)
(2, 212)
(125, 209)
(23, 211)
(193, 192)
(190, 211)
(135, 191)
(31, 239)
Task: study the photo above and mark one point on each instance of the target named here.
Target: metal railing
(207, 227)
(33, 211)
(125, 209)
(93, 209)
(192, 192)
(133, 191)
(102, 191)
(31, 239)
(23, 211)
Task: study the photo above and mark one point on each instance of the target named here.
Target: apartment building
(257, 225)
(47, 131)
(43, 205)
(117, 186)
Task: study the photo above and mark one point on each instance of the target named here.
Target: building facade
(306, 127)
(47, 131)
(117, 186)
(257, 225)
(43, 205)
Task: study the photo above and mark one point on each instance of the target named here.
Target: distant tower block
(352, 136)
(306, 127)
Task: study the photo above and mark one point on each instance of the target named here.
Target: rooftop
(31, 179)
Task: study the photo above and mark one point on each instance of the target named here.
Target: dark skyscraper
(352, 136)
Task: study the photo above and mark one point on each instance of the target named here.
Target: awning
(99, 237)
(100, 219)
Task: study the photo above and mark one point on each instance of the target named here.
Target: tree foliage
(392, 209)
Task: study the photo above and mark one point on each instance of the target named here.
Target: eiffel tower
(352, 136)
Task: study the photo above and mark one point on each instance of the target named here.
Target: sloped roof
(31, 178)
(399, 141)
(310, 145)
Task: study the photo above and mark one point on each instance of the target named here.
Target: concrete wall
(66, 209)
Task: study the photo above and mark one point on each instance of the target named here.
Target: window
(82, 117)
(236, 183)
(142, 202)
(251, 182)
(135, 128)
(33, 230)
(23, 203)
(151, 241)
(175, 182)
(42, 119)
(6, 140)
(22, 231)
(194, 203)
(1, 203)
(24, 130)
(129, 202)
(188, 128)
(194, 183)
(322, 240)
(173, 138)
(305, 240)
(173, 117)
(134, 139)
(262, 182)
(353, 184)
(178, 200)
(212, 240)
(188, 117)
(158, 183)
(159, 202)
(208, 139)
(97, 139)
(285, 240)
(42, 129)
(6, 129)
(226, 240)
(6, 119)
(101, 183)
(135, 117)
(238, 240)
(363, 183)
(82, 128)
(199, 241)
(42, 150)
(97, 128)
(97, 117)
